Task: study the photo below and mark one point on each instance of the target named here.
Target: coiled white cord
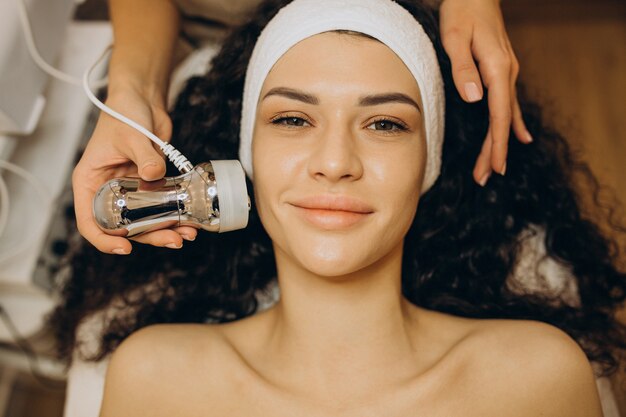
(42, 192)
(173, 154)
(34, 52)
(4, 205)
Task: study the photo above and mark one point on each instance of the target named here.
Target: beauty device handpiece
(211, 196)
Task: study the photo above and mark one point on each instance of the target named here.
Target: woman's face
(338, 153)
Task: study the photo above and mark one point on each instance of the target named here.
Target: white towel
(384, 20)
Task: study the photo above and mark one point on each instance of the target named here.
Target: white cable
(34, 52)
(4, 205)
(177, 158)
(174, 155)
(42, 192)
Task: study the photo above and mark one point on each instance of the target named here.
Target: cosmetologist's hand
(473, 33)
(117, 150)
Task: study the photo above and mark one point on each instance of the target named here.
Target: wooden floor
(25, 396)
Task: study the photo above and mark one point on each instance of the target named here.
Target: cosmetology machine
(22, 82)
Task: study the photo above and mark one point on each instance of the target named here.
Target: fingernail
(174, 245)
(529, 137)
(472, 92)
(189, 238)
(119, 251)
(503, 171)
(483, 180)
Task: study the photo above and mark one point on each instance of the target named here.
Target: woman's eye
(290, 121)
(386, 125)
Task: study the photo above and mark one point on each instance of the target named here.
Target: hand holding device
(212, 196)
(117, 150)
(130, 206)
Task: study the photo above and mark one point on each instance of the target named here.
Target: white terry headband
(383, 20)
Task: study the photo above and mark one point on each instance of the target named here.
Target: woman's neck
(358, 324)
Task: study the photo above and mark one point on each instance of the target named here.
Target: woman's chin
(331, 261)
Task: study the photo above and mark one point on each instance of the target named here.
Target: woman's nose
(335, 156)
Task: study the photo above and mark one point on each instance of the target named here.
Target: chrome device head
(212, 196)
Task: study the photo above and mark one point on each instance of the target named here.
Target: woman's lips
(331, 219)
(332, 212)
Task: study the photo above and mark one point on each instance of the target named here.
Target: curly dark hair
(460, 254)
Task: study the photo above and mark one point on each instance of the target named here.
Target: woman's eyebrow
(292, 94)
(375, 99)
(370, 100)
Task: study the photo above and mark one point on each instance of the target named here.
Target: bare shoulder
(156, 363)
(536, 368)
(161, 346)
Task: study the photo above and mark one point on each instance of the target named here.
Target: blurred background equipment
(21, 81)
(43, 123)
